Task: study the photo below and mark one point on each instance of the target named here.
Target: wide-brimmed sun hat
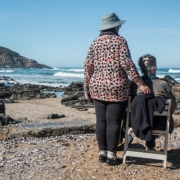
(111, 20)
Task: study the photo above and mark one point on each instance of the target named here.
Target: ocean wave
(26, 81)
(76, 70)
(68, 74)
(6, 71)
(55, 68)
(160, 76)
(174, 71)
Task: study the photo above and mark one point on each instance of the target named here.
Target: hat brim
(109, 26)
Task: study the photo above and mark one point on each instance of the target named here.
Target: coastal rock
(2, 107)
(74, 97)
(11, 132)
(26, 91)
(7, 81)
(22, 120)
(176, 92)
(5, 120)
(11, 59)
(55, 116)
(171, 81)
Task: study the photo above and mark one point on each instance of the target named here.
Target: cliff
(11, 59)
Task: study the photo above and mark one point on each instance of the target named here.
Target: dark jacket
(141, 119)
(159, 88)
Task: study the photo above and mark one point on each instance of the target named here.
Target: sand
(74, 156)
(36, 110)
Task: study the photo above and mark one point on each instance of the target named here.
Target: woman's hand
(145, 89)
(141, 85)
(88, 97)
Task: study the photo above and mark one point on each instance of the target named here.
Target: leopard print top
(107, 66)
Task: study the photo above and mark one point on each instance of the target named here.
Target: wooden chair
(150, 154)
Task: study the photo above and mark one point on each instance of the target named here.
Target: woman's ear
(153, 69)
(117, 28)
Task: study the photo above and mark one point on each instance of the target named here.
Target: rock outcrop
(12, 59)
(18, 91)
(172, 82)
(74, 97)
(5, 119)
(55, 116)
(176, 92)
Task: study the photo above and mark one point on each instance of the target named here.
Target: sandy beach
(73, 156)
(36, 110)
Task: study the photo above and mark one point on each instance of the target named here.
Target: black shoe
(102, 158)
(150, 149)
(113, 162)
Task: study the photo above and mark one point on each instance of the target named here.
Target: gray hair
(146, 63)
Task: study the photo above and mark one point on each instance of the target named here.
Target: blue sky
(58, 33)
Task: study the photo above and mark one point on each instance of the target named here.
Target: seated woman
(159, 88)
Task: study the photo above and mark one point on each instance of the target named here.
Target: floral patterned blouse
(107, 66)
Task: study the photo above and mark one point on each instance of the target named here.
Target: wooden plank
(146, 155)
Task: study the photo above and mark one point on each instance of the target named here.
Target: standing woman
(107, 66)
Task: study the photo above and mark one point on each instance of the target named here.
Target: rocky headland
(11, 59)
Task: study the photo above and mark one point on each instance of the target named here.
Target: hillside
(11, 59)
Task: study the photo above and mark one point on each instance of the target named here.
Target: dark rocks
(2, 107)
(5, 120)
(74, 97)
(73, 88)
(55, 116)
(12, 59)
(176, 92)
(71, 97)
(11, 132)
(8, 80)
(8, 101)
(22, 120)
(26, 91)
(171, 81)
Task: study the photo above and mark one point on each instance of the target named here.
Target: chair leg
(164, 164)
(165, 144)
(124, 159)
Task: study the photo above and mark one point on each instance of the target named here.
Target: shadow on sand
(173, 158)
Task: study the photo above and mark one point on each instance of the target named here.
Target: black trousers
(108, 121)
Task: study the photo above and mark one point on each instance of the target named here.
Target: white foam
(160, 76)
(76, 70)
(55, 68)
(62, 74)
(43, 83)
(177, 79)
(7, 71)
(174, 71)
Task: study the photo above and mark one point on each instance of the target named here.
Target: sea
(63, 76)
